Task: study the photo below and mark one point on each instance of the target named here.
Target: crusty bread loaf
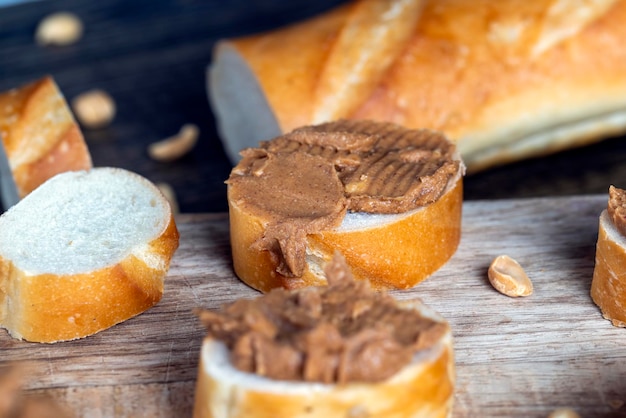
(391, 250)
(40, 138)
(608, 288)
(82, 252)
(505, 79)
(327, 328)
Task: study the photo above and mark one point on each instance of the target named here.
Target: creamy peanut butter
(617, 208)
(305, 181)
(343, 332)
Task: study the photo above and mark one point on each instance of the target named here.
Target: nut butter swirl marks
(307, 180)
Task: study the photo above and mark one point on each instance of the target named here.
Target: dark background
(151, 56)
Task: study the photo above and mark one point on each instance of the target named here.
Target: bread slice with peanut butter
(386, 197)
(608, 287)
(340, 350)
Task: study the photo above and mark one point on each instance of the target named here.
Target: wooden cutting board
(515, 357)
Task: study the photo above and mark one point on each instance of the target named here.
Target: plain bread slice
(85, 250)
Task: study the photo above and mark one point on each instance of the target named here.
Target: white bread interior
(506, 80)
(423, 389)
(82, 252)
(608, 287)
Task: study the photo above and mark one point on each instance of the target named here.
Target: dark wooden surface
(152, 56)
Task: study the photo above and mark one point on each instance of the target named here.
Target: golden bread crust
(400, 254)
(40, 136)
(608, 288)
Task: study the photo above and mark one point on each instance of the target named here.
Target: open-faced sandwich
(342, 350)
(386, 197)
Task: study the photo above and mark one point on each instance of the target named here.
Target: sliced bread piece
(40, 138)
(608, 288)
(82, 252)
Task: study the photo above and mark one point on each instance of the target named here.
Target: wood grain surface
(515, 357)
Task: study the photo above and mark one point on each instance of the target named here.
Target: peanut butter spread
(344, 332)
(305, 181)
(617, 208)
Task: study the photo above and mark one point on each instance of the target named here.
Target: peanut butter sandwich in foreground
(342, 350)
(388, 198)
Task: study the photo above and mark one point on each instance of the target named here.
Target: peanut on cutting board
(62, 28)
(508, 277)
(94, 108)
(176, 146)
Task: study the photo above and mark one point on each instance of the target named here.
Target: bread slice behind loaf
(39, 138)
(82, 252)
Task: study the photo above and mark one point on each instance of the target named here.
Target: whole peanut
(508, 277)
(62, 28)
(174, 147)
(94, 108)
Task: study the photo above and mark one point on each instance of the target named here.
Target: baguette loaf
(336, 331)
(388, 198)
(82, 252)
(506, 79)
(40, 138)
(608, 288)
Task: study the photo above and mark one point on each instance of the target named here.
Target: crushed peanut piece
(508, 277)
(94, 108)
(62, 28)
(176, 146)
